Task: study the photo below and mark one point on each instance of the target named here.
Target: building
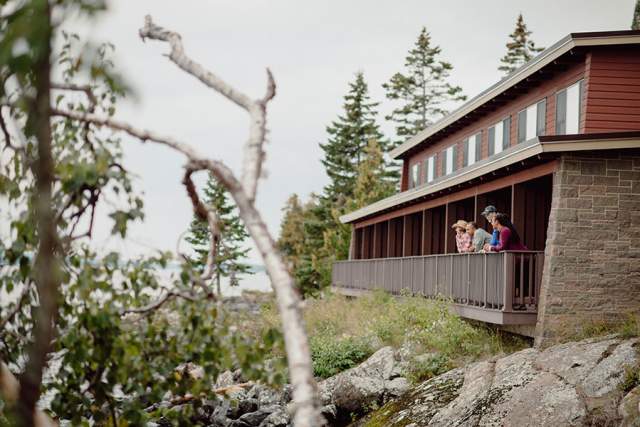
(556, 146)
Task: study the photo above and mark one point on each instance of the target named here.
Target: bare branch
(5, 131)
(93, 101)
(253, 153)
(159, 302)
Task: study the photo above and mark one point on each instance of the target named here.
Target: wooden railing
(505, 281)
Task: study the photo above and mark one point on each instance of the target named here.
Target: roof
(532, 148)
(547, 56)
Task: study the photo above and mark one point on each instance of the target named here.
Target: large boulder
(572, 384)
(365, 386)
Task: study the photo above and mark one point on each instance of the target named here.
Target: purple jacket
(506, 243)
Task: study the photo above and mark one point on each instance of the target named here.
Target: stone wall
(592, 256)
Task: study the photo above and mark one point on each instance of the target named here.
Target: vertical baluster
(521, 299)
(531, 285)
(484, 280)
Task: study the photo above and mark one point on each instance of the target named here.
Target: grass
(628, 327)
(343, 332)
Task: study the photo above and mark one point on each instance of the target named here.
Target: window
(443, 163)
(568, 109)
(499, 136)
(472, 149)
(452, 155)
(414, 175)
(531, 121)
(431, 168)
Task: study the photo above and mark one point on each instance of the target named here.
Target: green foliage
(428, 366)
(635, 22)
(349, 135)
(230, 247)
(121, 333)
(422, 90)
(332, 356)
(520, 49)
(631, 378)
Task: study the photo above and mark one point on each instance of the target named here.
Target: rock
(225, 379)
(330, 413)
(193, 371)
(256, 417)
(629, 409)
(362, 386)
(279, 418)
(396, 387)
(571, 384)
(243, 406)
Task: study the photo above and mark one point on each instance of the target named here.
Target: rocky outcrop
(572, 384)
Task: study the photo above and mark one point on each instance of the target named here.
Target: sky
(314, 50)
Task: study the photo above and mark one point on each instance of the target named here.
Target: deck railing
(505, 281)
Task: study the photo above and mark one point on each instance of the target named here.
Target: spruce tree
(230, 245)
(520, 48)
(348, 137)
(369, 188)
(422, 90)
(635, 23)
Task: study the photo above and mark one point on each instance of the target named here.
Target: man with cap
(490, 213)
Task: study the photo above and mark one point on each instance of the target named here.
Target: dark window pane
(454, 157)
(522, 126)
(491, 137)
(443, 159)
(580, 103)
(478, 146)
(561, 112)
(541, 116)
(465, 152)
(506, 132)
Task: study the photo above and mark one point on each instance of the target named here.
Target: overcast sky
(313, 49)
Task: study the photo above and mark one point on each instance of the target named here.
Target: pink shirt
(463, 242)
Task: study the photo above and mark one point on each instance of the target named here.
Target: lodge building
(556, 146)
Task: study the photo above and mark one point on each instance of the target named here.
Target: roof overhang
(546, 57)
(533, 147)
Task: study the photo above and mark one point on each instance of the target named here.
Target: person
(479, 237)
(463, 240)
(489, 213)
(509, 237)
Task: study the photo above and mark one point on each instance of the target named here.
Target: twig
(159, 302)
(18, 307)
(5, 131)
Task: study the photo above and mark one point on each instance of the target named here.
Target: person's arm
(494, 237)
(505, 235)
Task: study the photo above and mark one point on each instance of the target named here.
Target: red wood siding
(546, 90)
(612, 86)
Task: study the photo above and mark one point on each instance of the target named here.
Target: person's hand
(487, 247)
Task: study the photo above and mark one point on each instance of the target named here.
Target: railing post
(466, 301)
(508, 282)
(436, 275)
(484, 279)
(451, 276)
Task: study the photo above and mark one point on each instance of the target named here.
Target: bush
(331, 356)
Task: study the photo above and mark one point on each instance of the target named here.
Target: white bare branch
(253, 152)
(289, 304)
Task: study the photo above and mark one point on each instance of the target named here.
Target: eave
(535, 147)
(545, 58)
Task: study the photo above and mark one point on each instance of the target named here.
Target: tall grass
(343, 332)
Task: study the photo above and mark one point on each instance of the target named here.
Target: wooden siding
(546, 90)
(612, 89)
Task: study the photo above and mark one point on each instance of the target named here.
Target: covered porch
(411, 248)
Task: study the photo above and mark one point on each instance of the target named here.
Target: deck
(499, 288)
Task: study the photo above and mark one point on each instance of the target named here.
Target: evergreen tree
(635, 23)
(230, 246)
(369, 188)
(520, 49)
(422, 90)
(348, 137)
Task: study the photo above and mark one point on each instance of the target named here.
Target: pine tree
(520, 49)
(230, 246)
(291, 240)
(423, 90)
(369, 188)
(635, 23)
(348, 137)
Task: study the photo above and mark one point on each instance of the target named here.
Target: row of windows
(531, 123)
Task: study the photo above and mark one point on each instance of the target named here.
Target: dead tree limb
(288, 300)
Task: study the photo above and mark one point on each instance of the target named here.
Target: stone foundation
(592, 256)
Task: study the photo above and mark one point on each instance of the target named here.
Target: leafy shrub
(631, 378)
(428, 366)
(331, 356)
